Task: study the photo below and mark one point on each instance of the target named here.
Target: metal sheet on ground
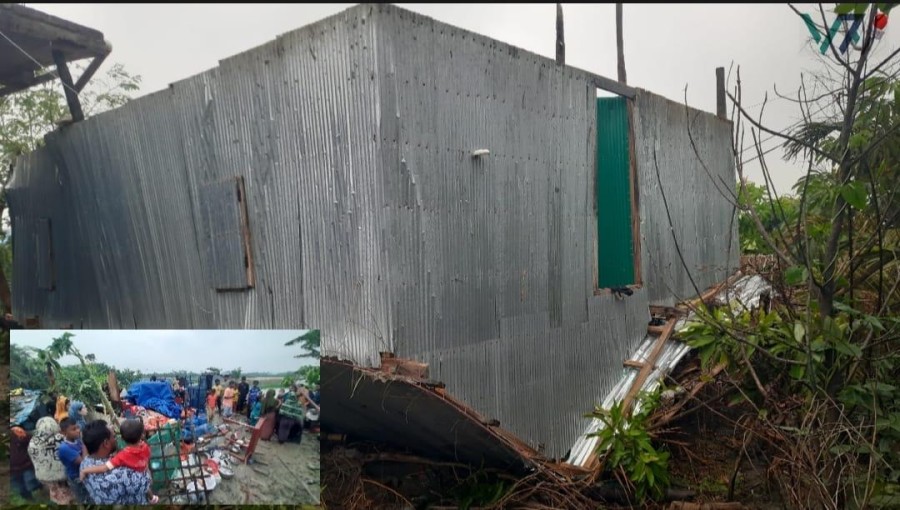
(373, 405)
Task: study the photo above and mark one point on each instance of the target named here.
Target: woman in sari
(78, 412)
(62, 409)
(47, 467)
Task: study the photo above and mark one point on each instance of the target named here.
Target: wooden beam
(634, 190)
(620, 44)
(720, 93)
(656, 330)
(44, 78)
(649, 364)
(593, 461)
(68, 86)
(92, 68)
(610, 85)
(560, 37)
(245, 233)
(113, 386)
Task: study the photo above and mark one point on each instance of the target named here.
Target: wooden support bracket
(62, 69)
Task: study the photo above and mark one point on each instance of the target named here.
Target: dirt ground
(281, 474)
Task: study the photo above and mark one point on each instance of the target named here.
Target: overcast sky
(172, 350)
(667, 47)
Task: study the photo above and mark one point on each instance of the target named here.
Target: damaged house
(406, 187)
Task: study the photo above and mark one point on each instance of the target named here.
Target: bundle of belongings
(155, 395)
(25, 408)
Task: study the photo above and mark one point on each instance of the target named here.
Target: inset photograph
(125, 417)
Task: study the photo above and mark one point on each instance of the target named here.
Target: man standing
(243, 388)
(71, 452)
(121, 485)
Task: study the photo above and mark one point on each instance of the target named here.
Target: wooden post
(620, 44)
(68, 86)
(560, 37)
(720, 93)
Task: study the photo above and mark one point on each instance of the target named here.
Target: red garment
(136, 457)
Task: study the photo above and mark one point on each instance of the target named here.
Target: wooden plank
(666, 311)
(245, 231)
(113, 386)
(635, 197)
(649, 363)
(593, 461)
(721, 111)
(68, 86)
(630, 363)
(656, 330)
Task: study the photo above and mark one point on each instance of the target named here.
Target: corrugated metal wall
(493, 258)
(298, 119)
(698, 198)
(370, 219)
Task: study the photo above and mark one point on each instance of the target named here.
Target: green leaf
(795, 275)
(799, 332)
(847, 348)
(797, 371)
(855, 194)
(701, 341)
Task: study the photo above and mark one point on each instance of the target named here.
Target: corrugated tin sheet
(222, 236)
(703, 218)
(370, 219)
(614, 238)
(744, 294)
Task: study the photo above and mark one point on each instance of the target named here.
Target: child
(228, 399)
(135, 456)
(71, 452)
(210, 404)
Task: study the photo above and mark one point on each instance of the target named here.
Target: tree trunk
(50, 375)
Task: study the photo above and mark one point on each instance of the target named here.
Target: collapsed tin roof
(409, 411)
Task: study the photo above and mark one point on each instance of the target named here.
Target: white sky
(667, 47)
(173, 349)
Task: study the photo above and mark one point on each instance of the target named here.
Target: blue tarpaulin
(22, 407)
(155, 395)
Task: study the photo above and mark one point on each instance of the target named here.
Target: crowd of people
(76, 460)
(286, 412)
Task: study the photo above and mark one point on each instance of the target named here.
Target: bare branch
(779, 134)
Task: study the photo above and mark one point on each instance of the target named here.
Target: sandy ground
(280, 474)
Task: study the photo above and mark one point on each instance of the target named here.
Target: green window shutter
(614, 236)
